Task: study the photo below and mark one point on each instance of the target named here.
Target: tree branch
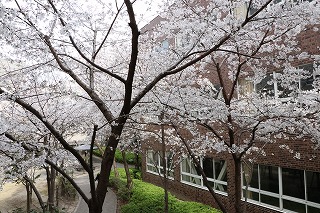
(74, 184)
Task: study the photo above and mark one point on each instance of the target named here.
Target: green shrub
(130, 157)
(66, 188)
(150, 198)
(124, 193)
(119, 184)
(97, 152)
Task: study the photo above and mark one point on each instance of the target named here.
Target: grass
(146, 197)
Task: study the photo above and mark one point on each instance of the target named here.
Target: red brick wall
(274, 156)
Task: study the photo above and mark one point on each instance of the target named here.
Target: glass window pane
(195, 180)
(269, 179)
(220, 170)
(307, 83)
(266, 86)
(221, 187)
(152, 168)
(251, 195)
(293, 206)
(313, 186)
(185, 178)
(188, 166)
(185, 165)
(156, 158)
(169, 160)
(293, 182)
(211, 184)
(208, 167)
(160, 158)
(313, 209)
(245, 87)
(273, 201)
(254, 179)
(149, 157)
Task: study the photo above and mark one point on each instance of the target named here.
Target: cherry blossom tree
(233, 103)
(112, 66)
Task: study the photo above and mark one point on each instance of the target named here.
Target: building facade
(285, 177)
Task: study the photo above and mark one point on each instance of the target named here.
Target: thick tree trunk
(116, 173)
(165, 172)
(237, 182)
(94, 206)
(126, 168)
(33, 187)
(106, 166)
(51, 187)
(29, 197)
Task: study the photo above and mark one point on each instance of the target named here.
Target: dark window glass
(254, 179)
(293, 183)
(251, 195)
(169, 160)
(313, 209)
(269, 180)
(185, 178)
(161, 158)
(211, 184)
(208, 167)
(284, 92)
(306, 83)
(293, 206)
(313, 186)
(266, 86)
(221, 187)
(220, 173)
(273, 201)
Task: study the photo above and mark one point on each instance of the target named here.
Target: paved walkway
(110, 202)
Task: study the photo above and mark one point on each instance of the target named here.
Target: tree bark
(237, 182)
(126, 168)
(51, 187)
(36, 192)
(164, 163)
(29, 198)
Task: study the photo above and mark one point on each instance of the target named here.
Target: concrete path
(110, 202)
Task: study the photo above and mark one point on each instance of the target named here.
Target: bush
(130, 157)
(66, 188)
(150, 198)
(97, 152)
(119, 184)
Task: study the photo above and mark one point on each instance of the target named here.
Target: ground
(13, 196)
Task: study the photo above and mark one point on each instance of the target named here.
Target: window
(163, 46)
(284, 188)
(241, 11)
(272, 86)
(182, 41)
(155, 163)
(306, 83)
(215, 170)
(245, 87)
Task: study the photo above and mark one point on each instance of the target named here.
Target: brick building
(285, 178)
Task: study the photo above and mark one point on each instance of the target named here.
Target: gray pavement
(110, 202)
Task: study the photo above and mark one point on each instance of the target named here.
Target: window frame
(158, 165)
(216, 182)
(241, 92)
(281, 196)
